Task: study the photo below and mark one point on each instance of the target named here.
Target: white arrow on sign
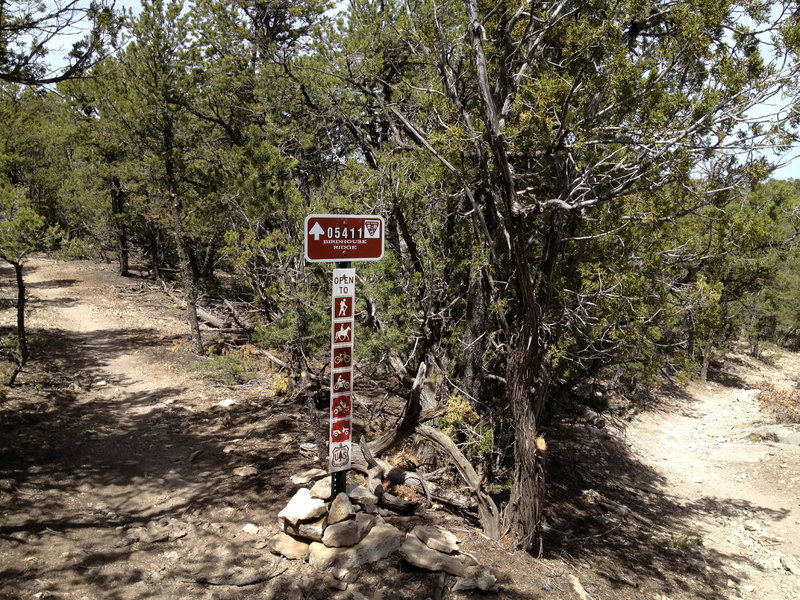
(316, 231)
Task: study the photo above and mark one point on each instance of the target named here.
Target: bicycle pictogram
(342, 357)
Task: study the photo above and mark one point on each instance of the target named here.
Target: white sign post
(342, 239)
(341, 405)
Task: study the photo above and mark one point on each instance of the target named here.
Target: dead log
(488, 514)
(237, 317)
(276, 360)
(432, 491)
(399, 505)
(381, 469)
(592, 417)
(410, 419)
(203, 314)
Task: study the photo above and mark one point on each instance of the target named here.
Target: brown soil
(117, 476)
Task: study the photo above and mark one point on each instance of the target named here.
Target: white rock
(382, 541)
(751, 525)
(345, 575)
(419, 555)
(361, 495)
(341, 535)
(248, 471)
(227, 402)
(790, 565)
(437, 538)
(307, 476)
(476, 577)
(287, 546)
(308, 530)
(302, 506)
(356, 493)
(348, 533)
(250, 528)
(321, 489)
(341, 509)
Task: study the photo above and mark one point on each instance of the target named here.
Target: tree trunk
(118, 216)
(184, 250)
(706, 360)
(21, 335)
(189, 280)
(474, 338)
(527, 348)
(153, 248)
(22, 340)
(523, 513)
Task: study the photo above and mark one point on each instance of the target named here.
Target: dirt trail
(742, 495)
(116, 480)
(120, 477)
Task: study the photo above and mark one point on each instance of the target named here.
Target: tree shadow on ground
(726, 378)
(120, 492)
(84, 461)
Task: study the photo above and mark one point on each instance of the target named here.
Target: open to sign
(340, 430)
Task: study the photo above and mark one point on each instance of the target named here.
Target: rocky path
(124, 475)
(739, 495)
(115, 481)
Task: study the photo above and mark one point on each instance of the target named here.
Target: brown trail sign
(342, 239)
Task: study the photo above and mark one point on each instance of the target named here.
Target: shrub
(75, 249)
(783, 405)
(228, 369)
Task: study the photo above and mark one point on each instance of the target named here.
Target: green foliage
(22, 229)
(571, 194)
(228, 369)
(465, 426)
(27, 26)
(687, 540)
(75, 249)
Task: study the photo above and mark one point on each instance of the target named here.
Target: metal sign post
(342, 239)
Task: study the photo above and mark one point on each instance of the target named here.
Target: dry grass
(783, 405)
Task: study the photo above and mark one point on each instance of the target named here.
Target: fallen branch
(403, 477)
(381, 469)
(275, 359)
(411, 417)
(488, 514)
(239, 581)
(237, 318)
(203, 314)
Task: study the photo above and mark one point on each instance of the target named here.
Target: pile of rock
(347, 532)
